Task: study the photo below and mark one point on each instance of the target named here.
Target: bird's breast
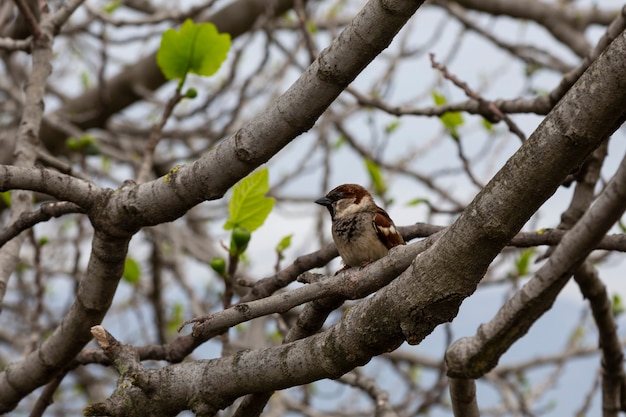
(357, 241)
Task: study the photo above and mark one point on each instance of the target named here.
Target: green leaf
(417, 201)
(311, 27)
(450, 120)
(195, 48)
(577, 335)
(617, 305)
(86, 144)
(6, 197)
(84, 80)
(106, 164)
(176, 319)
(249, 207)
(530, 69)
(392, 126)
(439, 99)
(132, 272)
(284, 243)
(380, 187)
(340, 142)
(523, 263)
(112, 6)
(487, 125)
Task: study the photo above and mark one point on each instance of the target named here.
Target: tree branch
(463, 397)
(30, 219)
(472, 357)
(61, 186)
(430, 291)
(613, 375)
(27, 141)
(89, 110)
(120, 214)
(490, 111)
(93, 299)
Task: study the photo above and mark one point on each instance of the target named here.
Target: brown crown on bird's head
(340, 198)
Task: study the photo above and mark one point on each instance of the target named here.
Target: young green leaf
(450, 120)
(284, 243)
(111, 6)
(132, 272)
(380, 187)
(617, 305)
(522, 264)
(6, 197)
(249, 207)
(392, 126)
(86, 144)
(439, 99)
(340, 142)
(176, 318)
(417, 201)
(195, 48)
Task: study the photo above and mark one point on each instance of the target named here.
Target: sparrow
(362, 231)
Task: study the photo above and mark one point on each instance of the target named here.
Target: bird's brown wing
(386, 230)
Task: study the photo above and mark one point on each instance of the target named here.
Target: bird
(362, 231)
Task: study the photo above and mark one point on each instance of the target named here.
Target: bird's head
(347, 199)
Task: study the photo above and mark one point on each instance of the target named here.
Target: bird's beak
(324, 201)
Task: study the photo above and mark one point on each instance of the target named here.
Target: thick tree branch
(93, 299)
(27, 140)
(89, 110)
(474, 356)
(430, 291)
(288, 116)
(351, 285)
(122, 213)
(181, 347)
(61, 186)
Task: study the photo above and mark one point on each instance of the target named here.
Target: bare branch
(352, 284)
(30, 18)
(491, 111)
(463, 397)
(61, 186)
(29, 219)
(613, 376)
(472, 357)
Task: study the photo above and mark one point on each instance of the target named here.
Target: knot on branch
(132, 392)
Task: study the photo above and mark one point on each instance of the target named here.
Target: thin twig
(46, 397)
(29, 219)
(489, 111)
(29, 17)
(155, 136)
